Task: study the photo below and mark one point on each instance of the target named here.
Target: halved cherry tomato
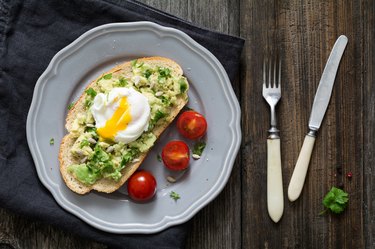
(192, 125)
(141, 186)
(175, 155)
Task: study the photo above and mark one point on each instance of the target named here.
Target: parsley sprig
(336, 200)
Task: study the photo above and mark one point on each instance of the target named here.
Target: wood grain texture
(303, 32)
(368, 55)
(20, 233)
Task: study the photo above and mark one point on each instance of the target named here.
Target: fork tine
(269, 73)
(274, 74)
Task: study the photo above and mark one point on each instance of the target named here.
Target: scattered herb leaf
(90, 129)
(165, 100)
(158, 157)
(336, 200)
(107, 76)
(158, 115)
(91, 92)
(70, 105)
(198, 148)
(164, 72)
(52, 141)
(129, 156)
(88, 103)
(183, 85)
(174, 196)
(84, 143)
(147, 73)
(134, 62)
(122, 82)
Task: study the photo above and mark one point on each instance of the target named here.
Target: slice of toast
(65, 156)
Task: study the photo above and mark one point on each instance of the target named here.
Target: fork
(272, 94)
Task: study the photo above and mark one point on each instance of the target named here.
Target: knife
(321, 101)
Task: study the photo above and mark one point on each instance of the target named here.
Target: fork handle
(300, 170)
(275, 198)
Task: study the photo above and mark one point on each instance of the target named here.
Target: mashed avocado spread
(99, 158)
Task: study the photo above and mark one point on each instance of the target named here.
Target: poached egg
(122, 115)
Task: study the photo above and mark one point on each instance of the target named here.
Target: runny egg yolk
(118, 122)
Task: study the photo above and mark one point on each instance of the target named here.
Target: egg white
(104, 106)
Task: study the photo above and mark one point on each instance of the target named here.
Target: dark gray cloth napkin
(31, 33)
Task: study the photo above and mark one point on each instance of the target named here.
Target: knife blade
(320, 104)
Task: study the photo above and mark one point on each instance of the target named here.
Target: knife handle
(300, 170)
(275, 198)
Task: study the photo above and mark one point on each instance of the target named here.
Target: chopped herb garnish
(165, 100)
(158, 115)
(84, 143)
(70, 105)
(183, 85)
(336, 200)
(91, 92)
(158, 157)
(174, 196)
(198, 148)
(100, 160)
(52, 141)
(134, 63)
(107, 76)
(91, 129)
(147, 73)
(122, 82)
(88, 103)
(164, 72)
(129, 156)
(161, 80)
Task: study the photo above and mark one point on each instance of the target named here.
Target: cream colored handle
(275, 198)
(300, 170)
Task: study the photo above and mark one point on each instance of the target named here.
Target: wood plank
(20, 232)
(304, 31)
(368, 22)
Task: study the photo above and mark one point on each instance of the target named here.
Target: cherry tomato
(175, 155)
(141, 186)
(191, 124)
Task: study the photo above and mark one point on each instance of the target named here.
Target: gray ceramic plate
(211, 93)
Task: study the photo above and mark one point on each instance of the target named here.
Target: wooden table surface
(304, 33)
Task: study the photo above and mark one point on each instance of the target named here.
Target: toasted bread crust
(65, 157)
